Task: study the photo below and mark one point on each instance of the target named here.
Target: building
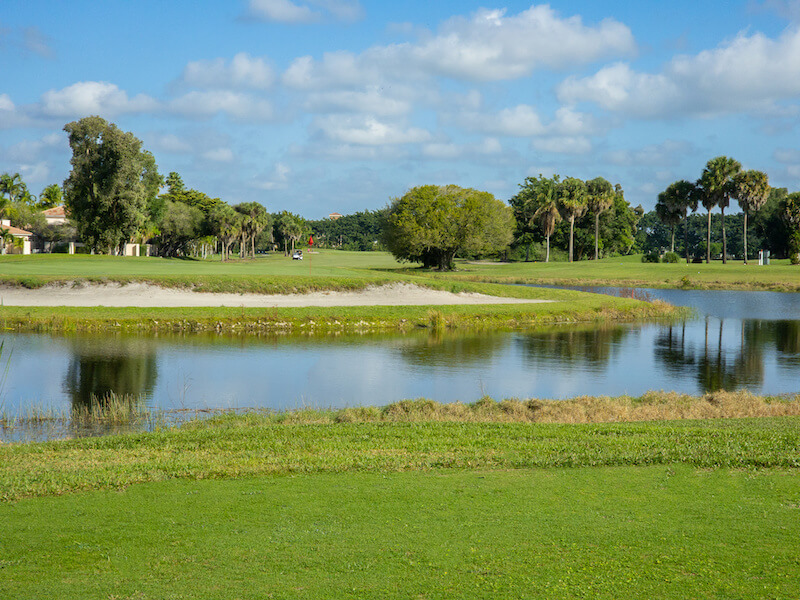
(334, 216)
(9, 247)
(56, 215)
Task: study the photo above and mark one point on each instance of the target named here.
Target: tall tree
(599, 198)
(751, 189)
(718, 187)
(226, 224)
(572, 204)
(537, 202)
(256, 220)
(111, 181)
(679, 197)
(668, 217)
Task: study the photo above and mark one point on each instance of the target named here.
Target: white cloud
(243, 71)
(278, 179)
(488, 46)
(171, 143)
(563, 144)
(207, 104)
(749, 73)
(93, 98)
(787, 156)
(373, 101)
(452, 151)
(524, 121)
(311, 11)
(31, 150)
(667, 153)
(5, 103)
(224, 155)
(368, 131)
(35, 174)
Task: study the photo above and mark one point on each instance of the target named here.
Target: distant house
(334, 216)
(25, 236)
(56, 215)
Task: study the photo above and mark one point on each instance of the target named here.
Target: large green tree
(111, 184)
(537, 202)
(572, 202)
(431, 223)
(717, 187)
(255, 220)
(675, 202)
(751, 189)
(599, 198)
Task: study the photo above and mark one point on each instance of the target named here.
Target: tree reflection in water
(104, 366)
(588, 347)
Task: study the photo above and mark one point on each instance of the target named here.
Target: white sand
(140, 294)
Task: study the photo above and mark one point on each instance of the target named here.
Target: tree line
(115, 196)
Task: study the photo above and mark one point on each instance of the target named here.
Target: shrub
(671, 257)
(650, 257)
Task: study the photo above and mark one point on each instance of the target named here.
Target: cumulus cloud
(453, 151)
(224, 155)
(310, 11)
(242, 71)
(669, 152)
(488, 46)
(563, 144)
(32, 150)
(524, 121)
(92, 98)
(207, 104)
(372, 100)
(748, 73)
(368, 131)
(278, 179)
(5, 103)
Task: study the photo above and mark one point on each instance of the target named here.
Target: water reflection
(103, 367)
(572, 347)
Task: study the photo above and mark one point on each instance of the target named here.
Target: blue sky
(317, 106)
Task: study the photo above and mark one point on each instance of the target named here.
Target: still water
(747, 340)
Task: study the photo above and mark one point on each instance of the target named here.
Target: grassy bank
(416, 499)
(418, 435)
(565, 307)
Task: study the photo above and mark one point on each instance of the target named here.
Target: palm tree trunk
(724, 239)
(571, 235)
(708, 238)
(596, 234)
(672, 243)
(745, 237)
(686, 237)
(547, 254)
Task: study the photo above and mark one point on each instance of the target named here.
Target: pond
(739, 340)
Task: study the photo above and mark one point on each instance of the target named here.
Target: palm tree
(572, 204)
(678, 198)
(668, 216)
(547, 213)
(600, 197)
(751, 190)
(717, 184)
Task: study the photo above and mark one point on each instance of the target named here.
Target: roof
(16, 230)
(56, 211)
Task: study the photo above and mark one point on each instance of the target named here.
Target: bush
(650, 257)
(671, 257)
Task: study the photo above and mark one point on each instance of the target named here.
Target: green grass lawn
(239, 507)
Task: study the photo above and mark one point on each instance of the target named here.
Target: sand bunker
(145, 295)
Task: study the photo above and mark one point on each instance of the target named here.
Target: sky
(320, 106)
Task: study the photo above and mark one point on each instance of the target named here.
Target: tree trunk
(708, 238)
(686, 237)
(547, 254)
(571, 235)
(672, 243)
(724, 239)
(745, 237)
(596, 234)
(528, 253)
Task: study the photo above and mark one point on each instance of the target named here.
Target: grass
(609, 532)
(415, 500)
(629, 271)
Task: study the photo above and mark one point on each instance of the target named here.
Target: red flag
(311, 240)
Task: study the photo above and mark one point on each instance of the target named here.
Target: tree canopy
(431, 223)
(111, 184)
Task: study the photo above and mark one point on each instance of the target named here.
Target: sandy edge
(147, 295)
